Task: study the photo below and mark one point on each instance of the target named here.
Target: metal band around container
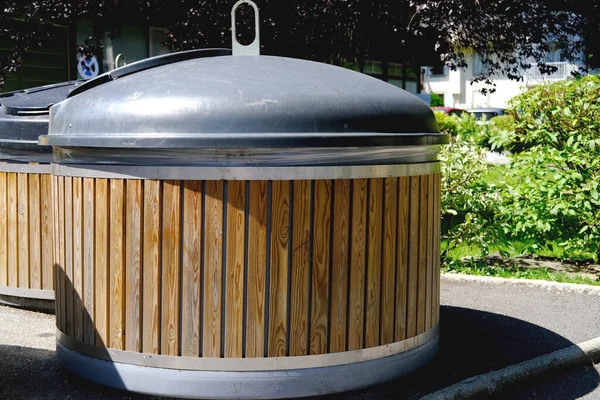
(26, 168)
(247, 364)
(36, 294)
(245, 173)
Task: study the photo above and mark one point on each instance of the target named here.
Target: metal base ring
(246, 384)
(31, 299)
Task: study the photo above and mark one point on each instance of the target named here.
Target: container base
(30, 299)
(247, 384)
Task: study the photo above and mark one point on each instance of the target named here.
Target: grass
(480, 268)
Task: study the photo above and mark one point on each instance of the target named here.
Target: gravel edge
(558, 286)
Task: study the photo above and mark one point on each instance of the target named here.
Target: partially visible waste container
(26, 228)
(245, 227)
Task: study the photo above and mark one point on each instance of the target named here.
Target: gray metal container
(238, 205)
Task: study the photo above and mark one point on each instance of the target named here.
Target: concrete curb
(579, 355)
(488, 280)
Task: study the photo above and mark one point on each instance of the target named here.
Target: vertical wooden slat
(89, 200)
(35, 233)
(151, 270)
(117, 264)
(422, 280)
(257, 260)
(388, 279)
(413, 258)
(234, 303)
(57, 271)
(402, 257)
(339, 268)
(300, 264)
(192, 281)
(320, 267)
(3, 230)
(374, 264)
(279, 268)
(133, 265)
(47, 232)
(77, 231)
(171, 234)
(430, 270)
(357, 265)
(213, 267)
(436, 249)
(23, 229)
(12, 231)
(101, 261)
(68, 232)
(62, 272)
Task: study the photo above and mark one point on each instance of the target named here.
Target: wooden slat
(55, 255)
(171, 264)
(77, 231)
(152, 260)
(35, 233)
(68, 232)
(234, 302)
(213, 267)
(388, 271)
(257, 260)
(101, 263)
(89, 201)
(3, 230)
(23, 229)
(133, 265)
(192, 279)
(61, 274)
(430, 269)
(300, 268)
(47, 232)
(413, 258)
(402, 257)
(339, 268)
(279, 268)
(357, 264)
(320, 267)
(374, 264)
(422, 280)
(436, 249)
(117, 264)
(12, 231)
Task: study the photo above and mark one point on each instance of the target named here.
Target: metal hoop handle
(253, 49)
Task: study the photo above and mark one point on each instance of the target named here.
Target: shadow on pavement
(474, 342)
(32, 374)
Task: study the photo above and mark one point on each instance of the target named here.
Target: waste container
(26, 264)
(245, 227)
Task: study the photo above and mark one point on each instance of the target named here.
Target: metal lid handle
(253, 49)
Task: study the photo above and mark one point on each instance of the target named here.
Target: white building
(458, 91)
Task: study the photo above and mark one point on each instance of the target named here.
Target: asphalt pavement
(484, 327)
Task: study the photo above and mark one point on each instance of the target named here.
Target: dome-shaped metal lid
(24, 117)
(241, 102)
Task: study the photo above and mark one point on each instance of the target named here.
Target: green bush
(553, 185)
(498, 134)
(469, 203)
(436, 100)
(446, 123)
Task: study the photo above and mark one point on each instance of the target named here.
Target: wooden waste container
(245, 227)
(26, 263)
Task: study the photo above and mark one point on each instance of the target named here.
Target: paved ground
(484, 327)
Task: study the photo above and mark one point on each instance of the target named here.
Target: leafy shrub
(447, 123)
(498, 134)
(468, 202)
(436, 100)
(554, 184)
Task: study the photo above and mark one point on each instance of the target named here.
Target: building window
(156, 39)
(373, 67)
